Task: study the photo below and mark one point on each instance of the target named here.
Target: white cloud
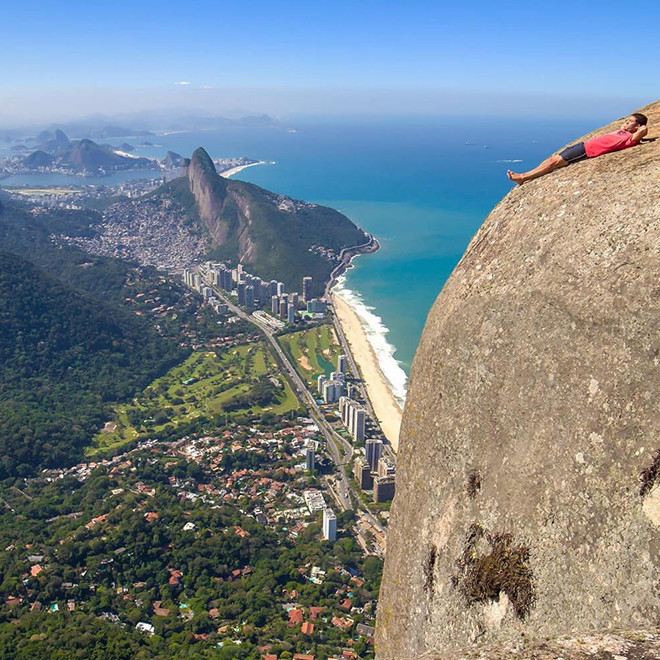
(183, 82)
(205, 87)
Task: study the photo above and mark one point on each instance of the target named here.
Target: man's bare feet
(516, 178)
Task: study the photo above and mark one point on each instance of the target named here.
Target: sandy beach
(384, 404)
(235, 170)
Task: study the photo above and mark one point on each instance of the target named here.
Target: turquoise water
(421, 185)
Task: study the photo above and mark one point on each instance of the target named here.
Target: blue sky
(302, 56)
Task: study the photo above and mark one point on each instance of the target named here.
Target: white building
(329, 525)
(145, 627)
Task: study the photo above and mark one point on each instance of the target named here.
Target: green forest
(63, 358)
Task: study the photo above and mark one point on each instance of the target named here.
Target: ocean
(421, 185)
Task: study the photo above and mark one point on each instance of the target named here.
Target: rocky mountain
(173, 161)
(528, 493)
(87, 155)
(38, 158)
(203, 215)
(56, 145)
(271, 233)
(82, 155)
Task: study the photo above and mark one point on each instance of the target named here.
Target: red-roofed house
(307, 628)
(160, 611)
(344, 624)
(295, 617)
(302, 656)
(315, 611)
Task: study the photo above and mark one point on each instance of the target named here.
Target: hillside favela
(331, 333)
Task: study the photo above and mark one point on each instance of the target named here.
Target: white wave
(514, 160)
(376, 332)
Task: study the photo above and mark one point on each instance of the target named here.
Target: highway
(341, 451)
(334, 441)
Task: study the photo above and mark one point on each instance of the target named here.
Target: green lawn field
(314, 352)
(198, 386)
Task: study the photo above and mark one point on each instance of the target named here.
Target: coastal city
(252, 458)
(267, 422)
(339, 391)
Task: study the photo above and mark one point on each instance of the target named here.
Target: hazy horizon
(68, 62)
(54, 107)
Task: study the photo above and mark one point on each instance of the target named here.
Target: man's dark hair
(641, 119)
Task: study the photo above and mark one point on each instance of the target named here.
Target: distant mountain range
(82, 155)
(103, 128)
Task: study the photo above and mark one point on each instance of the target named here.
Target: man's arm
(639, 133)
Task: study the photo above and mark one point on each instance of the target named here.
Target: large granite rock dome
(527, 501)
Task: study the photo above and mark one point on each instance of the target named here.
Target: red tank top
(603, 144)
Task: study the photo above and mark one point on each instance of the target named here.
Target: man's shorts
(574, 153)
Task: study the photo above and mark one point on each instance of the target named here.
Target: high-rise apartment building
(359, 424)
(329, 525)
(307, 289)
(374, 450)
(310, 459)
(362, 472)
(384, 489)
(240, 289)
(249, 296)
(385, 467)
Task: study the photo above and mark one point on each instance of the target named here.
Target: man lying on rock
(630, 134)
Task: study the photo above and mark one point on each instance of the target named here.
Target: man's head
(635, 121)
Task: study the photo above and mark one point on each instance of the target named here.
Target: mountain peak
(202, 160)
(60, 136)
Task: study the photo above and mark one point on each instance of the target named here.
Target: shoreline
(379, 391)
(239, 168)
(378, 388)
